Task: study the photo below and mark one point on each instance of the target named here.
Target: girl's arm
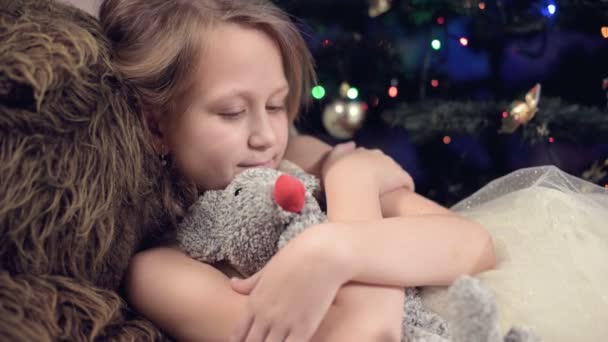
(420, 231)
(192, 301)
(432, 247)
(380, 301)
(188, 300)
(416, 250)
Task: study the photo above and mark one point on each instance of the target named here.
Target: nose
(289, 193)
(262, 133)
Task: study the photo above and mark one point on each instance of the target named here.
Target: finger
(300, 333)
(409, 182)
(343, 148)
(258, 332)
(340, 150)
(242, 329)
(245, 286)
(277, 335)
(350, 145)
(293, 338)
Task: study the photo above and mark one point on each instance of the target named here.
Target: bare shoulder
(307, 152)
(188, 299)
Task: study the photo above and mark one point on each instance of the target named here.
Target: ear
(157, 128)
(198, 234)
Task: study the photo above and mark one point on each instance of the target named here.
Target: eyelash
(273, 109)
(232, 115)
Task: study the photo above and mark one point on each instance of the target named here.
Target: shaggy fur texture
(78, 182)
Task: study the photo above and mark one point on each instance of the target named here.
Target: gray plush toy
(262, 209)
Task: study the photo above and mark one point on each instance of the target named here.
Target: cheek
(193, 148)
(281, 128)
(210, 168)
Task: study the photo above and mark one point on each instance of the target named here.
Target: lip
(267, 163)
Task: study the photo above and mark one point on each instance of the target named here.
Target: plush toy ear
(198, 235)
(311, 183)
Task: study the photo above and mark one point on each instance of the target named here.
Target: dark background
(443, 125)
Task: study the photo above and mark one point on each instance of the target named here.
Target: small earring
(163, 156)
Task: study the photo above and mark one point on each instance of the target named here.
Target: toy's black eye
(237, 191)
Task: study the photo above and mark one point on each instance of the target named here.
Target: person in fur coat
(81, 189)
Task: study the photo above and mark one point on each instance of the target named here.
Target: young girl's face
(237, 116)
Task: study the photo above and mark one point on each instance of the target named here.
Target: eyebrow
(281, 89)
(246, 95)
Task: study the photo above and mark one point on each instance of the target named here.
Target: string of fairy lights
(379, 7)
(345, 110)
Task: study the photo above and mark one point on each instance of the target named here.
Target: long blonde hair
(157, 44)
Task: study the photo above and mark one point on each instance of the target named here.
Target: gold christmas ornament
(343, 118)
(378, 7)
(521, 112)
(344, 87)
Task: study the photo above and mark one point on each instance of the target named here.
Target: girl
(220, 83)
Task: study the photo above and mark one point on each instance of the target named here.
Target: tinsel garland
(555, 120)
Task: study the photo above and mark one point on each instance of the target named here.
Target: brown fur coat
(78, 182)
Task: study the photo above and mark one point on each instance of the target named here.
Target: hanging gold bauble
(521, 112)
(343, 118)
(378, 7)
(343, 90)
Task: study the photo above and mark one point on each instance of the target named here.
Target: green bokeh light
(318, 92)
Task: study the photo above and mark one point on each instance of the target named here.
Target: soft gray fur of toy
(242, 225)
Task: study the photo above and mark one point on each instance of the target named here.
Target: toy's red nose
(289, 193)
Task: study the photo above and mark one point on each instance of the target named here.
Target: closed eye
(231, 115)
(274, 109)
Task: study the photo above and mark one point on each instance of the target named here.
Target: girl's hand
(376, 306)
(337, 152)
(290, 296)
(362, 162)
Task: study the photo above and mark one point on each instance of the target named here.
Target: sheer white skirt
(551, 235)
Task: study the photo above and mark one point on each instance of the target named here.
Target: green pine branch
(427, 120)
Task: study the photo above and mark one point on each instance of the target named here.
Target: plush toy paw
(473, 315)
(420, 324)
(472, 312)
(519, 334)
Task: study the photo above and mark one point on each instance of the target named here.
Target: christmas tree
(460, 92)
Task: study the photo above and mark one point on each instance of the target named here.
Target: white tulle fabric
(551, 235)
